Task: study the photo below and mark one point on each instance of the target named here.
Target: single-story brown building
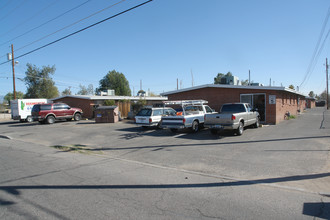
(271, 102)
(89, 103)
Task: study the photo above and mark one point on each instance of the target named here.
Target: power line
(17, 7)
(72, 9)
(74, 33)
(70, 25)
(5, 5)
(28, 19)
(317, 51)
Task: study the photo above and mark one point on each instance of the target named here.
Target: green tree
(217, 80)
(86, 90)
(66, 91)
(245, 82)
(109, 102)
(39, 83)
(323, 95)
(10, 96)
(291, 87)
(311, 94)
(116, 81)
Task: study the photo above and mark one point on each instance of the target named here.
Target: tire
(29, 119)
(195, 126)
(50, 119)
(214, 131)
(77, 117)
(159, 125)
(256, 125)
(240, 129)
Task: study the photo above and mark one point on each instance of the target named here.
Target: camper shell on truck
(190, 114)
(21, 108)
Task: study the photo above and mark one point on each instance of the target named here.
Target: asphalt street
(83, 170)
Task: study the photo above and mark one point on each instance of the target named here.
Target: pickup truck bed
(233, 117)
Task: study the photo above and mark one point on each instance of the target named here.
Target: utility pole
(249, 78)
(326, 71)
(13, 65)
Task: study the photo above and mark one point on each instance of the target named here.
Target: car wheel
(77, 117)
(195, 126)
(256, 125)
(240, 129)
(29, 119)
(50, 119)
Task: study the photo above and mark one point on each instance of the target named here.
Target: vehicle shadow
(203, 134)
(199, 144)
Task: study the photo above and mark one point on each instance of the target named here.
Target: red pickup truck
(49, 113)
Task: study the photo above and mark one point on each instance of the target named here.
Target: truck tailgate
(211, 119)
(172, 121)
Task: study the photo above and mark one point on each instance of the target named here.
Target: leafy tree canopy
(291, 87)
(86, 90)
(66, 91)
(116, 81)
(39, 83)
(10, 96)
(217, 80)
(311, 94)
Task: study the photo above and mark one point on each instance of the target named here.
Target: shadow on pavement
(208, 144)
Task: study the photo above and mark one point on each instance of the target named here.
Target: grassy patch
(76, 148)
(292, 117)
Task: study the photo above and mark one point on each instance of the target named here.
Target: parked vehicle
(150, 116)
(49, 113)
(21, 108)
(190, 115)
(234, 117)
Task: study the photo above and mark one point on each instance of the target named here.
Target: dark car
(49, 113)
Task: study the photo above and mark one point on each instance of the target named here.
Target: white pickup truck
(233, 116)
(190, 114)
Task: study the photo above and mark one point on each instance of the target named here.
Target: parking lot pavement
(293, 154)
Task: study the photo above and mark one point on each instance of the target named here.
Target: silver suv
(150, 116)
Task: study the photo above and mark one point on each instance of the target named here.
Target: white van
(150, 116)
(21, 108)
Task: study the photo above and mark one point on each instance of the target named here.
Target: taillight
(233, 117)
(150, 120)
(184, 121)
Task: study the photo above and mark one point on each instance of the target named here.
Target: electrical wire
(30, 18)
(72, 9)
(317, 50)
(70, 25)
(5, 5)
(12, 11)
(83, 29)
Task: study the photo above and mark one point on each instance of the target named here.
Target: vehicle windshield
(144, 112)
(234, 108)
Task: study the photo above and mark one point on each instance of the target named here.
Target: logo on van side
(22, 105)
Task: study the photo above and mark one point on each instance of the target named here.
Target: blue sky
(166, 40)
